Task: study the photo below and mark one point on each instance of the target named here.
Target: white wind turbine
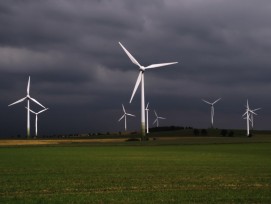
(248, 113)
(147, 117)
(140, 78)
(157, 119)
(124, 116)
(28, 98)
(212, 110)
(36, 122)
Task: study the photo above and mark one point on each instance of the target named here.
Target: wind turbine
(248, 113)
(147, 117)
(140, 78)
(157, 119)
(36, 123)
(212, 110)
(124, 116)
(28, 98)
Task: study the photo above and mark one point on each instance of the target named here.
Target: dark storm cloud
(70, 49)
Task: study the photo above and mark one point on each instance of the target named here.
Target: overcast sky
(70, 49)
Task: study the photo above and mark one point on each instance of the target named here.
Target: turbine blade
(160, 65)
(155, 114)
(206, 101)
(147, 106)
(123, 108)
(17, 101)
(252, 112)
(42, 110)
(28, 86)
(130, 114)
(244, 114)
(121, 117)
(136, 85)
(216, 101)
(30, 110)
(37, 102)
(130, 56)
(154, 121)
(256, 109)
(161, 118)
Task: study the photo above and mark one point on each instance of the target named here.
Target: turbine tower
(147, 117)
(124, 116)
(36, 122)
(212, 110)
(28, 98)
(157, 119)
(248, 113)
(140, 78)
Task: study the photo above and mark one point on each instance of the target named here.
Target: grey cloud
(71, 51)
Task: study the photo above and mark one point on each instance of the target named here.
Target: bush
(231, 133)
(224, 132)
(196, 132)
(204, 132)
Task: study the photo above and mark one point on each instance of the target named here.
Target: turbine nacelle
(142, 68)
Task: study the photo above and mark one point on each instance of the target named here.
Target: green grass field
(190, 173)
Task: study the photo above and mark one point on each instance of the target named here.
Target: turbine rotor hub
(142, 68)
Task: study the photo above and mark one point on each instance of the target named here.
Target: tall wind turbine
(147, 117)
(157, 119)
(212, 110)
(124, 116)
(36, 122)
(140, 78)
(248, 113)
(28, 98)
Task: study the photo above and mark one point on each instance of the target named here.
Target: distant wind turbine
(212, 110)
(28, 98)
(124, 116)
(36, 122)
(157, 119)
(140, 78)
(248, 113)
(147, 117)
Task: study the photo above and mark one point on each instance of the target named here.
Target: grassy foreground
(191, 173)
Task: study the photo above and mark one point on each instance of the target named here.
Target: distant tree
(196, 132)
(231, 133)
(224, 132)
(204, 132)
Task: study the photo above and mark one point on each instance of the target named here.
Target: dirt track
(52, 142)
